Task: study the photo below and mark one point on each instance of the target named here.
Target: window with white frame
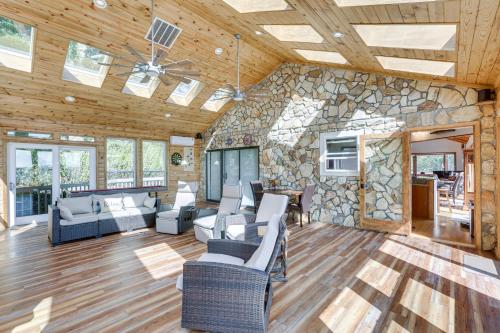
(16, 44)
(120, 163)
(339, 154)
(154, 165)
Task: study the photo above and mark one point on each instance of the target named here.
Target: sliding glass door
(39, 174)
(232, 166)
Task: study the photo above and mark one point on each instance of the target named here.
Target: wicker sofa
(87, 219)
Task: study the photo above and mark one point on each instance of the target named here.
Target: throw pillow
(77, 205)
(111, 204)
(134, 200)
(150, 202)
(65, 213)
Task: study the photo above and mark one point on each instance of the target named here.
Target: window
(184, 93)
(428, 163)
(339, 154)
(431, 67)
(138, 86)
(245, 6)
(294, 33)
(154, 170)
(77, 138)
(16, 44)
(120, 163)
(409, 36)
(216, 101)
(83, 65)
(33, 135)
(322, 56)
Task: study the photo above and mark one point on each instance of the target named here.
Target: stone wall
(309, 100)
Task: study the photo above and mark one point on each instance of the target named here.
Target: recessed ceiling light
(101, 3)
(259, 33)
(168, 115)
(218, 51)
(338, 34)
(70, 99)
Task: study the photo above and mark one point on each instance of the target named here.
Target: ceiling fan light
(102, 4)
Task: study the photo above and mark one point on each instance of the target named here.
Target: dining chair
(304, 204)
(257, 193)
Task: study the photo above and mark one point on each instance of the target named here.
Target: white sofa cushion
(169, 214)
(271, 204)
(149, 202)
(79, 219)
(97, 197)
(78, 205)
(213, 257)
(236, 232)
(140, 211)
(65, 213)
(207, 222)
(260, 258)
(133, 200)
(111, 205)
(186, 194)
(112, 215)
(231, 199)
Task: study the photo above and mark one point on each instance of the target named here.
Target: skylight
(409, 36)
(253, 6)
(185, 93)
(216, 101)
(440, 68)
(350, 3)
(82, 65)
(16, 44)
(294, 33)
(135, 85)
(322, 56)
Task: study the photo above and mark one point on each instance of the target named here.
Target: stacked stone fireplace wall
(309, 100)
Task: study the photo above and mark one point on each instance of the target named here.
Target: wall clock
(176, 159)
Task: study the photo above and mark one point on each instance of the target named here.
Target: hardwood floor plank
(340, 280)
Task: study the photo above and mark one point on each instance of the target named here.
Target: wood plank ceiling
(208, 24)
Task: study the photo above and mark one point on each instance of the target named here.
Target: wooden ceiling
(208, 24)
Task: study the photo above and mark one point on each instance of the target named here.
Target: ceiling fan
(170, 70)
(235, 93)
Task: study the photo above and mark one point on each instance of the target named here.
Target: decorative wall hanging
(247, 139)
(229, 141)
(176, 159)
(188, 161)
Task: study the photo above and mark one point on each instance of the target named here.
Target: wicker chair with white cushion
(271, 204)
(229, 204)
(229, 288)
(176, 220)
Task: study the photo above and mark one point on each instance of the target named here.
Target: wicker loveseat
(87, 219)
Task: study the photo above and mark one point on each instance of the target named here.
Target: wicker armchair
(221, 297)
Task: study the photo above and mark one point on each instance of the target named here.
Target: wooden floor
(341, 280)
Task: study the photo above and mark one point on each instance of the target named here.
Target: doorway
(231, 166)
(444, 182)
(38, 174)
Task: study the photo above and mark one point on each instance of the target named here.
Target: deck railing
(124, 179)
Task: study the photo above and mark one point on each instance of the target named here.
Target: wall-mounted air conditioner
(181, 141)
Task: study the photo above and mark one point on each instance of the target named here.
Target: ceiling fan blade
(113, 65)
(128, 73)
(146, 79)
(135, 53)
(178, 77)
(183, 73)
(164, 81)
(228, 87)
(178, 64)
(159, 56)
(222, 98)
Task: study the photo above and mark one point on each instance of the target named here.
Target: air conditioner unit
(181, 141)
